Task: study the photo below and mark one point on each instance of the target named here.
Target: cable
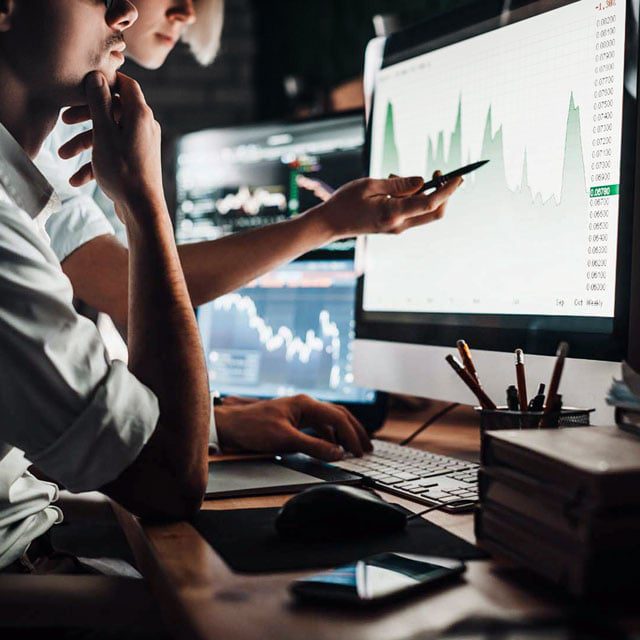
(425, 425)
(462, 502)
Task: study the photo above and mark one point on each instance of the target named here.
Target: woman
(95, 259)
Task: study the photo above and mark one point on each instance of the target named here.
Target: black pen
(537, 404)
(440, 181)
(512, 398)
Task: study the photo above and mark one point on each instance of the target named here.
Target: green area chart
(491, 181)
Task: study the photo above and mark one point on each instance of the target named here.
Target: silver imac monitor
(537, 246)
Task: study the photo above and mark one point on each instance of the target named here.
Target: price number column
(604, 156)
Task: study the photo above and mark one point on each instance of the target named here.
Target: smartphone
(376, 579)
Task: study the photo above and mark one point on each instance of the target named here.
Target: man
(137, 434)
(86, 422)
(96, 260)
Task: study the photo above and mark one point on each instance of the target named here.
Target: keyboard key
(436, 494)
(409, 486)
(405, 476)
(430, 473)
(426, 483)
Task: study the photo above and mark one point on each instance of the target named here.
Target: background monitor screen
(287, 332)
(531, 242)
(232, 180)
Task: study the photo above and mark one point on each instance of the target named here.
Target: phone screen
(378, 577)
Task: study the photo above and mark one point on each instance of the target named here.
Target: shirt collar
(22, 181)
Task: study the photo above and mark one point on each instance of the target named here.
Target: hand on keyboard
(273, 426)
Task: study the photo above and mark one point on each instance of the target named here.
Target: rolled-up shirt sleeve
(79, 417)
(79, 221)
(80, 218)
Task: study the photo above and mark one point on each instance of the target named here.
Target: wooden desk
(202, 598)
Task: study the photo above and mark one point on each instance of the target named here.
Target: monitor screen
(288, 332)
(531, 242)
(231, 180)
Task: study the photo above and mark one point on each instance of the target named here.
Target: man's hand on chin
(273, 426)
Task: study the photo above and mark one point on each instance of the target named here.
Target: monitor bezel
(483, 331)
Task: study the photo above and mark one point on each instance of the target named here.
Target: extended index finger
(100, 101)
(421, 204)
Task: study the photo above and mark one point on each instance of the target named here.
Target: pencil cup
(502, 418)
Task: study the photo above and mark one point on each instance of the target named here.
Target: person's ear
(7, 9)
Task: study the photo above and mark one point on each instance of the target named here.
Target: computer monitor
(536, 247)
(286, 333)
(236, 179)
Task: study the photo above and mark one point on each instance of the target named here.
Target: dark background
(319, 42)
(265, 44)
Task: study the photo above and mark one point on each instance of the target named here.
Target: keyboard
(420, 476)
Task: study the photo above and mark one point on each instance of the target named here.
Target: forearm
(219, 266)
(164, 345)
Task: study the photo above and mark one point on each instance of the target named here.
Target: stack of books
(624, 395)
(564, 503)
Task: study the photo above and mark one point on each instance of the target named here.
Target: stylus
(440, 181)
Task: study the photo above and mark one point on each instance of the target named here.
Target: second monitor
(289, 332)
(237, 179)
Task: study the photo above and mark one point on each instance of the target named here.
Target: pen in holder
(503, 418)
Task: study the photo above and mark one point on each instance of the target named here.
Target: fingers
(442, 194)
(417, 221)
(426, 218)
(76, 145)
(349, 433)
(421, 204)
(76, 115)
(99, 97)
(395, 186)
(326, 432)
(82, 176)
(361, 432)
(130, 94)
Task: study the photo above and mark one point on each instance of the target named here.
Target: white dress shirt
(79, 417)
(85, 212)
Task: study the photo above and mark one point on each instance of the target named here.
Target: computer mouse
(337, 512)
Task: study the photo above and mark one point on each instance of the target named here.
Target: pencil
(554, 385)
(521, 381)
(467, 360)
(485, 401)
